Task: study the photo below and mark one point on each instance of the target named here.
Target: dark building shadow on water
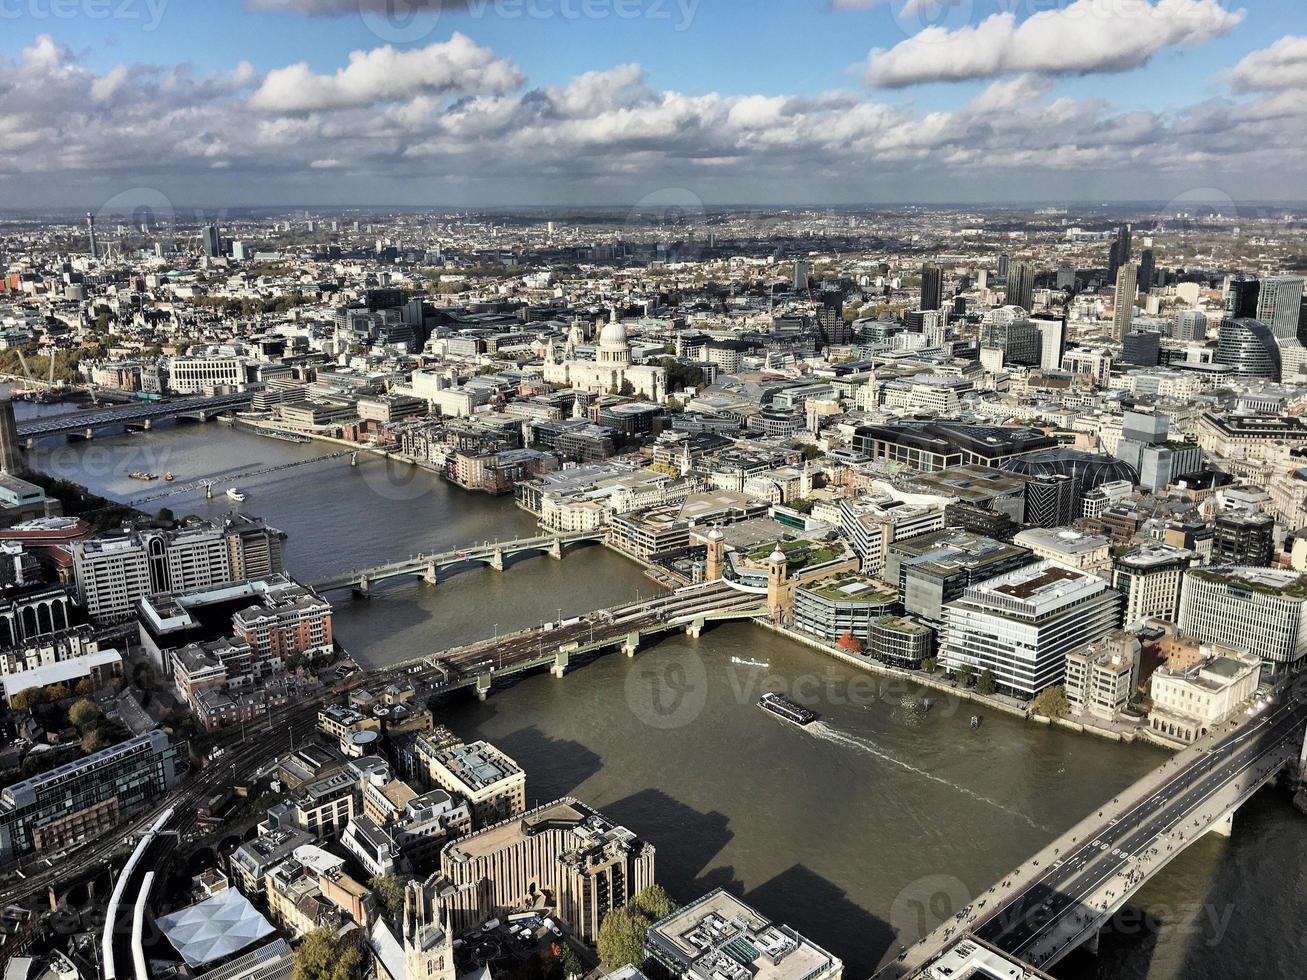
(823, 912)
(687, 841)
(555, 767)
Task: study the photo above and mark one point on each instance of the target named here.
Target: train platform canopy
(215, 928)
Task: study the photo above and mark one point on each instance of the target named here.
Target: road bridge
(140, 415)
(1065, 895)
(496, 554)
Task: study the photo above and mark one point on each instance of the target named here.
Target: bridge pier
(497, 560)
(31, 443)
(432, 574)
(632, 643)
(361, 591)
(89, 434)
(148, 424)
(1223, 827)
(1092, 943)
(695, 629)
(556, 550)
(483, 687)
(561, 662)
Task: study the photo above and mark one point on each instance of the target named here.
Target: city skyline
(563, 103)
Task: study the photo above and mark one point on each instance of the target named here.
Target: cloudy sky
(485, 102)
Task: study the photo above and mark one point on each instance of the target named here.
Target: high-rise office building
(1146, 445)
(801, 273)
(1020, 626)
(1241, 297)
(1004, 265)
(1122, 250)
(1260, 610)
(1141, 348)
(1279, 305)
(1052, 499)
(212, 241)
(90, 233)
(1021, 285)
(1020, 340)
(1243, 539)
(1190, 325)
(932, 286)
(1248, 348)
(11, 458)
(1149, 582)
(1052, 340)
(1147, 270)
(1123, 313)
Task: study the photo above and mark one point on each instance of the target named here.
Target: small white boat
(235, 495)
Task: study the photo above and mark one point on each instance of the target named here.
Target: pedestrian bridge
(496, 554)
(1064, 896)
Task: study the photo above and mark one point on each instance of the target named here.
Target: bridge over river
(1061, 898)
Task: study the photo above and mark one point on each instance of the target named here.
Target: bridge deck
(1068, 891)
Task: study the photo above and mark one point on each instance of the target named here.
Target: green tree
(164, 516)
(985, 683)
(325, 956)
(967, 675)
(572, 966)
(930, 665)
(389, 889)
(85, 714)
(1051, 702)
(621, 938)
(654, 903)
(812, 452)
(57, 692)
(95, 740)
(85, 686)
(26, 699)
(627, 390)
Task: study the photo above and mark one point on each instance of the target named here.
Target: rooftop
(719, 937)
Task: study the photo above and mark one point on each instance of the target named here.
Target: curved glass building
(1248, 347)
(1089, 470)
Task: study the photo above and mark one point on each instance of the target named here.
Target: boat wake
(828, 734)
(745, 662)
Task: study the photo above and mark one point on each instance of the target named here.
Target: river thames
(862, 832)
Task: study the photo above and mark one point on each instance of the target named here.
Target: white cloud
(470, 121)
(1282, 65)
(1085, 37)
(386, 74)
